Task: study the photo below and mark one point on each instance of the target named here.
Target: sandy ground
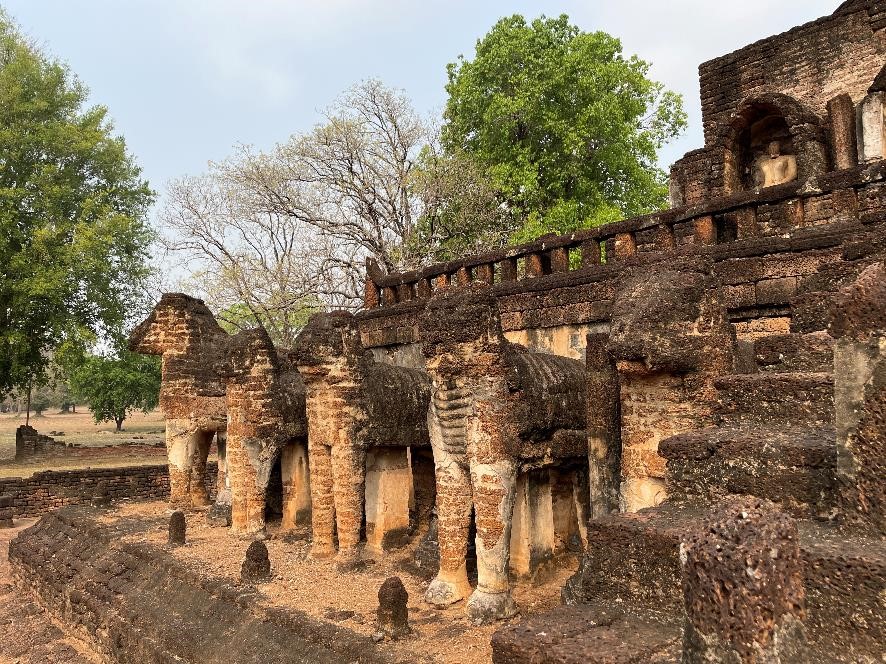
(95, 445)
(348, 599)
(27, 634)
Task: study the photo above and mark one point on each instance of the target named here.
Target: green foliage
(566, 127)
(115, 386)
(73, 237)
(462, 213)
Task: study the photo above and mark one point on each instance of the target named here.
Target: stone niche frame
(789, 122)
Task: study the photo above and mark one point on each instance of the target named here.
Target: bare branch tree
(274, 231)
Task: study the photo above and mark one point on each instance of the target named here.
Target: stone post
(604, 427)
(743, 587)
(841, 113)
(393, 611)
(858, 323)
(871, 128)
(296, 486)
(388, 488)
(256, 565)
(177, 528)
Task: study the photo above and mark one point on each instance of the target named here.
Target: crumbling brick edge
(134, 602)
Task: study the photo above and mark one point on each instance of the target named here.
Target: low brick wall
(51, 489)
(136, 603)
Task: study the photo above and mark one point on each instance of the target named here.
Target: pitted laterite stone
(743, 586)
(393, 612)
(257, 565)
(177, 528)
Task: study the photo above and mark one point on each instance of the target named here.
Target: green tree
(73, 237)
(566, 127)
(115, 386)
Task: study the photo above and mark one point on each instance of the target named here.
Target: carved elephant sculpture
(496, 408)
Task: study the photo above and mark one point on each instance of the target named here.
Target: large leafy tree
(114, 386)
(73, 237)
(564, 124)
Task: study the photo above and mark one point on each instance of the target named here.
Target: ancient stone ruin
(678, 417)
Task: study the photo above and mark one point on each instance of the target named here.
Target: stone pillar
(296, 486)
(871, 127)
(532, 528)
(604, 427)
(223, 482)
(841, 113)
(388, 488)
(564, 510)
(177, 528)
(858, 323)
(743, 587)
(424, 488)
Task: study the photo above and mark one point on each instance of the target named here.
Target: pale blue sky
(185, 80)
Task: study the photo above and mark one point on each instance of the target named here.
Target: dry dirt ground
(27, 634)
(95, 445)
(348, 599)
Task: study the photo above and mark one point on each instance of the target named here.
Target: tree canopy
(565, 125)
(73, 236)
(115, 386)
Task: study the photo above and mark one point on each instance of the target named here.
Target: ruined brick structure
(674, 397)
(30, 443)
(265, 400)
(183, 331)
(364, 419)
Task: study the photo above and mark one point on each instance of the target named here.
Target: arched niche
(773, 122)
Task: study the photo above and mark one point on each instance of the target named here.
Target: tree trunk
(119, 421)
(28, 411)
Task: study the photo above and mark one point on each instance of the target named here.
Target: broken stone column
(177, 528)
(6, 511)
(296, 486)
(858, 323)
(388, 490)
(871, 127)
(257, 565)
(743, 587)
(604, 427)
(841, 114)
(393, 612)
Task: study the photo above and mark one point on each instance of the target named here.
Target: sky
(187, 80)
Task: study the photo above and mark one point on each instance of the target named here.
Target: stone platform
(110, 578)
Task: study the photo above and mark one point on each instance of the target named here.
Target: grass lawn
(144, 430)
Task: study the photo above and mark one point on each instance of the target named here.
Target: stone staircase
(775, 439)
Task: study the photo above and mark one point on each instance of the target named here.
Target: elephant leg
(182, 439)
(198, 489)
(349, 481)
(453, 524)
(494, 487)
(322, 502)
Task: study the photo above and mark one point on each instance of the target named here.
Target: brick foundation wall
(51, 489)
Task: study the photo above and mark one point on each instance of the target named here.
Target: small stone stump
(257, 565)
(6, 511)
(177, 528)
(743, 587)
(393, 612)
(102, 495)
